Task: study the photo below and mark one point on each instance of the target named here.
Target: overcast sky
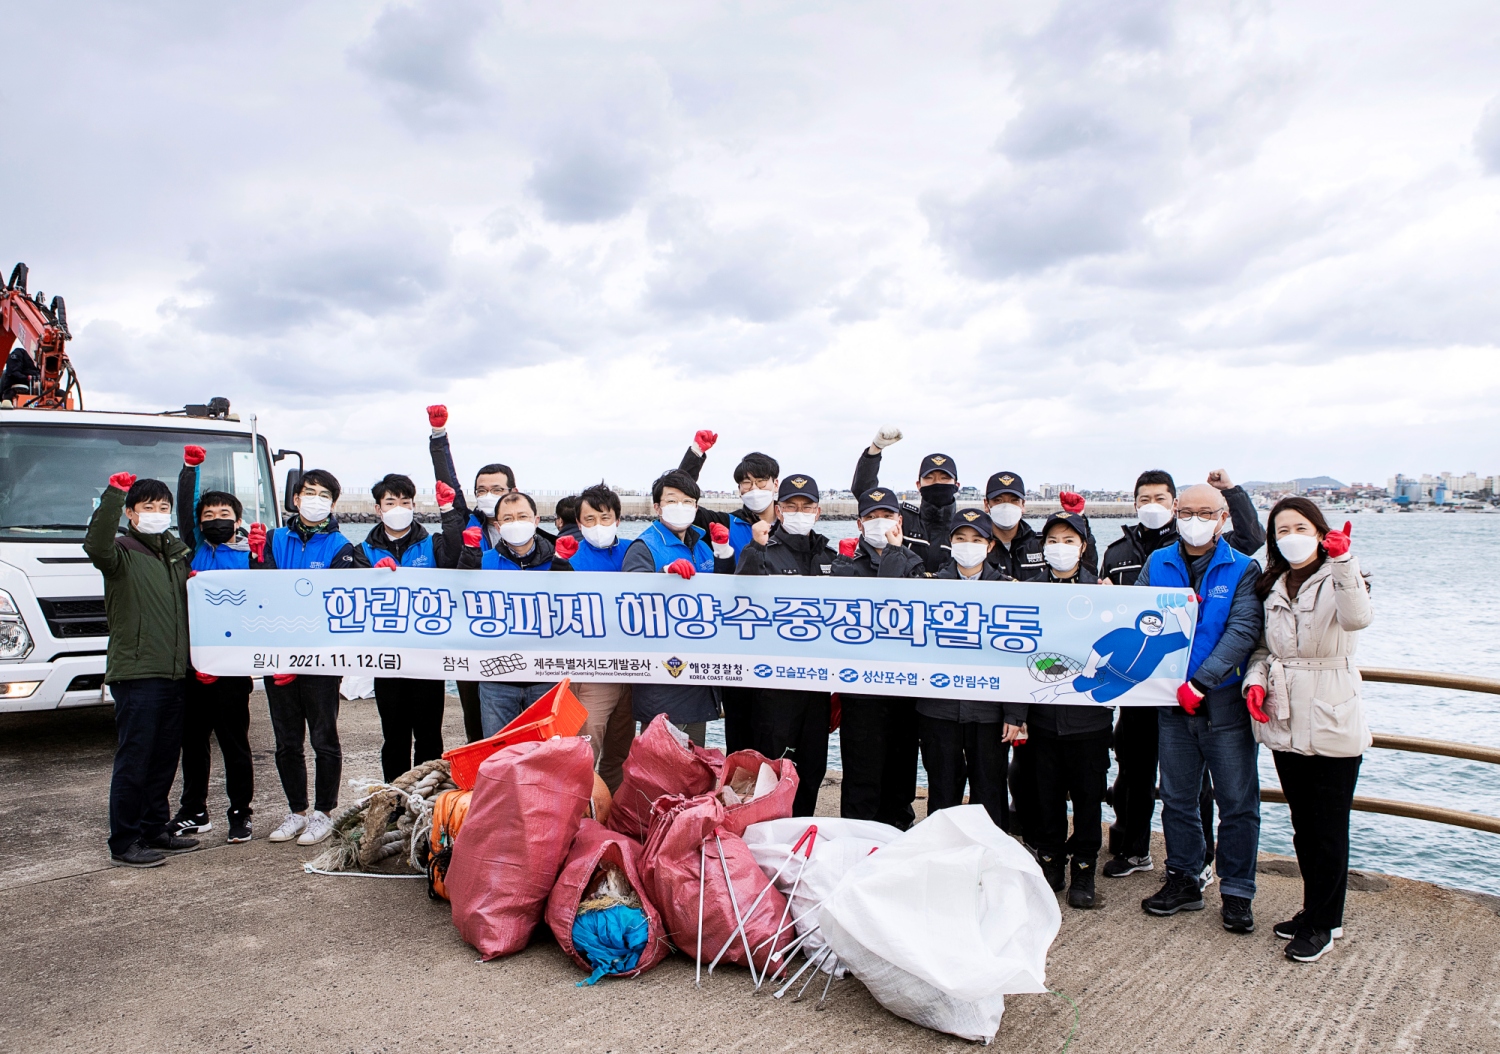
(1072, 239)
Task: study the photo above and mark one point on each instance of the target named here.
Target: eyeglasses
(1188, 514)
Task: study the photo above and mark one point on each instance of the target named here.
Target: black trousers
(148, 730)
(1070, 767)
(739, 721)
(955, 753)
(879, 735)
(1134, 793)
(220, 710)
(1023, 815)
(794, 724)
(411, 713)
(308, 707)
(1319, 791)
(468, 699)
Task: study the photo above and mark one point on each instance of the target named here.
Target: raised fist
(386, 563)
(445, 494)
(848, 547)
(437, 415)
(760, 532)
(193, 455)
(122, 480)
(1071, 502)
(472, 535)
(718, 534)
(257, 541)
(681, 567)
(1219, 479)
(566, 547)
(886, 436)
(704, 440)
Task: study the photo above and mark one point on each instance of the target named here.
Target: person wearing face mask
(674, 545)
(306, 706)
(1134, 793)
(214, 707)
(787, 722)
(145, 600)
(1210, 726)
(1018, 547)
(878, 733)
(411, 710)
(520, 547)
(925, 528)
(1303, 694)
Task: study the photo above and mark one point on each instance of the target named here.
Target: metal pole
(255, 460)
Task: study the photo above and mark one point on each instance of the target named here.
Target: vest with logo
(419, 555)
(220, 558)
(1222, 576)
(666, 548)
(592, 558)
(291, 554)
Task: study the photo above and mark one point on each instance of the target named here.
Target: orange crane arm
(43, 331)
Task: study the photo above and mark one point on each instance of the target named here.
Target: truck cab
(54, 465)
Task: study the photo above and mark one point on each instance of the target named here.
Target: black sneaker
(167, 842)
(1288, 929)
(1178, 893)
(1236, 913)
(1081, 887)
(138, 856)
(239, 829)
(1309, 945)
(1120, 865)
(1054, 870)
(185, 824)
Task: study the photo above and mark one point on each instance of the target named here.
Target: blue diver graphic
(1123, 658)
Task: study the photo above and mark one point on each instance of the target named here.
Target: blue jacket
(1230, 616)
(592, 558)
(220, 558)
(418, 555)
(287, 549)
(542, 557)
(657, 547)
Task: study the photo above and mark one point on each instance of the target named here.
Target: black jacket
(1053, 719)
(1022, 559)
(868, 562)
(1124, 559)
(990, 573)
(692, 464)
(541, 552)
(447, 547)
(444, 470)
(788, 554)
(925, 528)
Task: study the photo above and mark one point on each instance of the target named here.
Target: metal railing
(1415, 744)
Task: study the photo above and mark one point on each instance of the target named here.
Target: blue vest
(419, 555)
(291, 554)
(589, 558)
(740, 535)
(220, 558)
(1165, 567)
(497, 560)
(665, 548)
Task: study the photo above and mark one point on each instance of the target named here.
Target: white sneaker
(319, 827)
(290, 828)
(1206, 876)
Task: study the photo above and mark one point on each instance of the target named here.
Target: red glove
(704, 440)
(848, 547)
(566, 547)
(191, 573)
(472, 536)
(193, 455)
(1336, 543)
(122, 480)
(718, 534)
(437, 415)
(681, 567)
(257, 541)
(1189, 697)
(1255, 697)
(281, 680)
(1071, 502)
(387, 563)
(445, 493)
(204, 678)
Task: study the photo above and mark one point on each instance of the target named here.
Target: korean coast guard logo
(969, 516)
(878, 495)
(938, 459)
(799, 482)
(1007, 479)
(675, 666)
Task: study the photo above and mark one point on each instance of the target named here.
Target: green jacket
(145, 595)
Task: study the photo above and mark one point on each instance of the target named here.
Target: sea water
(1433, 581)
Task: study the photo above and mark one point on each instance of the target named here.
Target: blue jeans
(1218, 738)
(501, 703)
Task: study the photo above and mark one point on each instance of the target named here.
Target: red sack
(672, 856)
(596, 845)
(659, 764)
(774, 805)
(528, 800)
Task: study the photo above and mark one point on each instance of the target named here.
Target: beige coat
(1305, 664)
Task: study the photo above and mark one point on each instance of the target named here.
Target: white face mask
(601, 537)
(969, 554)
(679, 514)
(1153, 516)
(798, 522)
(397, 517)
(486, 503)
(153, 522)
(314, 508)
(1060, 556)
(1197, 532)
(518, 532)
(757, 500)
(1295, 547)
(875, 532)
(1005, 515)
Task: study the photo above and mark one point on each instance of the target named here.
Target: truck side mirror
(293, 478)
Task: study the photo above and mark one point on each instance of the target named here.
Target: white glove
(886, 436)
(722, 552)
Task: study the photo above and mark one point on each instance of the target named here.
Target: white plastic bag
(944, 922)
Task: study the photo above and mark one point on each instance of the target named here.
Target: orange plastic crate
(558, 713)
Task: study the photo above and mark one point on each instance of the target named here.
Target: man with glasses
(1210, 727)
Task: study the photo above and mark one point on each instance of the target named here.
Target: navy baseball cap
(1071, 519)
(878, 498)
(798, 487)
(1005, 483)
(937, 463)
(975, 518)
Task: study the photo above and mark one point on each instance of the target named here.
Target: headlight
(15, 639)
(18, 689)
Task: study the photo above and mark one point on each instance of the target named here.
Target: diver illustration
(1124, 657)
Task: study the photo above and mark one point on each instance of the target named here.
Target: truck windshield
(51, 476)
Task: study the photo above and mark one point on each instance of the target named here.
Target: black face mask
(938, 493)
(216, 532)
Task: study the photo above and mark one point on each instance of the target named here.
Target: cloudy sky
(1073, 238)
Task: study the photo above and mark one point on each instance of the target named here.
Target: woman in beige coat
(1303, 691)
